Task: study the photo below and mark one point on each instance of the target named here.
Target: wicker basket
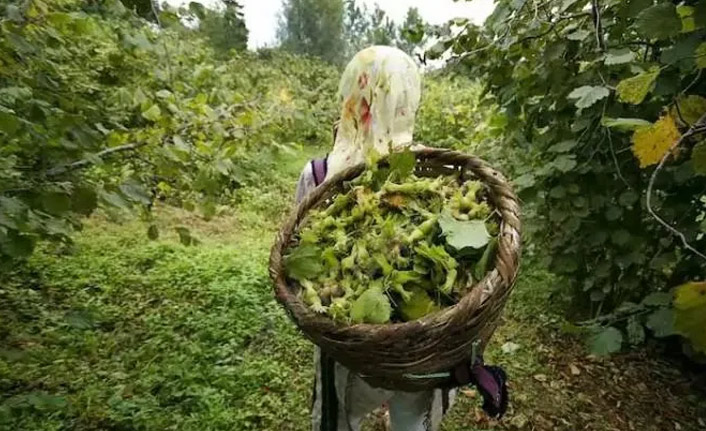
(412, 355)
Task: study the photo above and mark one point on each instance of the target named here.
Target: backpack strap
(319, 167)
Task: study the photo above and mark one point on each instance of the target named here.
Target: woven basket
(414, 355)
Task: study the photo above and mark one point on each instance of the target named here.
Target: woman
(379, 92)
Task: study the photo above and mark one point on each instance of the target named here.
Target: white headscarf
(379, 94)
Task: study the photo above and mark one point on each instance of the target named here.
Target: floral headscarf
(379, 92)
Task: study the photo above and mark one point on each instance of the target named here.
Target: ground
(117, 332)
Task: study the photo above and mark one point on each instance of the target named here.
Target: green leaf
(153, 232)
(372, 306)
(606, 341)
(16, 245)
(681, 52)
(700, 56)
(698, 158)
(153, 113)
(401, 164)
(84, 200)
(613, 213)
(563, 146)
(80, 319)
(304, 262)
(633, 90)
(419, 305)
(136, 192)
(564, 162)
(587, 95)
(700, 14)
(558, 192)
(461, 234)
(184, 235)
(8, 123)
(619, 56)
(628, 198)
(56, 203)
(46, 402)
(482, 266)
(113, 199)
(635, 331)
(661, 322)
(624, 124)
(620, 237)
(658, 299)
(524, 181)
(578, 35)
(164, 94)
(660, 21)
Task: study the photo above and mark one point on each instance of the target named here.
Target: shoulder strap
(319, 167)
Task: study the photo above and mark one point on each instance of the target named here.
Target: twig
(85, 162)
(679, 114)
(596, 12)
(552, 26)
(615, 160)
(698, 127)
(688, 87)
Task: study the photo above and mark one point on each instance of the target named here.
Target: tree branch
(596, 12)
(698, 127)
(86, 162)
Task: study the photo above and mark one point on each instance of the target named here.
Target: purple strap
(490, 381)
(319, 167)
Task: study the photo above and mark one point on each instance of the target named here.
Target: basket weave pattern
(386, 355)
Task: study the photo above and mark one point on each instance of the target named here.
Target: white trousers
(354, 399)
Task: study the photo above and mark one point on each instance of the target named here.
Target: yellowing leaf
(690, 313)
(690, 295)
(633, 90)
(649, 144)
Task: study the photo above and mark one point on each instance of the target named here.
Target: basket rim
(474, 299)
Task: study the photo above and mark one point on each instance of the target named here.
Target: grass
(118, 332)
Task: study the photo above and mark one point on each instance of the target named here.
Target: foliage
(100, 109)
(578, 83)
(120, 332)
(412, 31)
(127, 333)
(453, 114)
(392, 238)
(225, 29)
(313, 27)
